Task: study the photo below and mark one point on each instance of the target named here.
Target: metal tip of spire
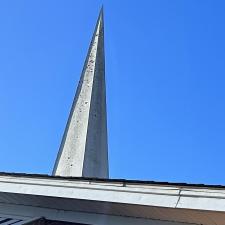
(101, 13)
(102, 9)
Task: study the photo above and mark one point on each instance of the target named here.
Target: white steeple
(84, 150)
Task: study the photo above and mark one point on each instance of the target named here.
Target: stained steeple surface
(84, 150)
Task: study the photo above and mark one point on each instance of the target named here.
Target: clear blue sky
(165, 68)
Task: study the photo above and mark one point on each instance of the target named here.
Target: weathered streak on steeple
(84, 149)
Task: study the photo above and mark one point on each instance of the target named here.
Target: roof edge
(124, 181)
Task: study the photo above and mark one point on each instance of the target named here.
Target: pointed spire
(84, 150)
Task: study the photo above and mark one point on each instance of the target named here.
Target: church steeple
(84, 150)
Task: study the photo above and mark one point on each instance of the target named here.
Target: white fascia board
(87, 191)
(147, 195)
(203, 203)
